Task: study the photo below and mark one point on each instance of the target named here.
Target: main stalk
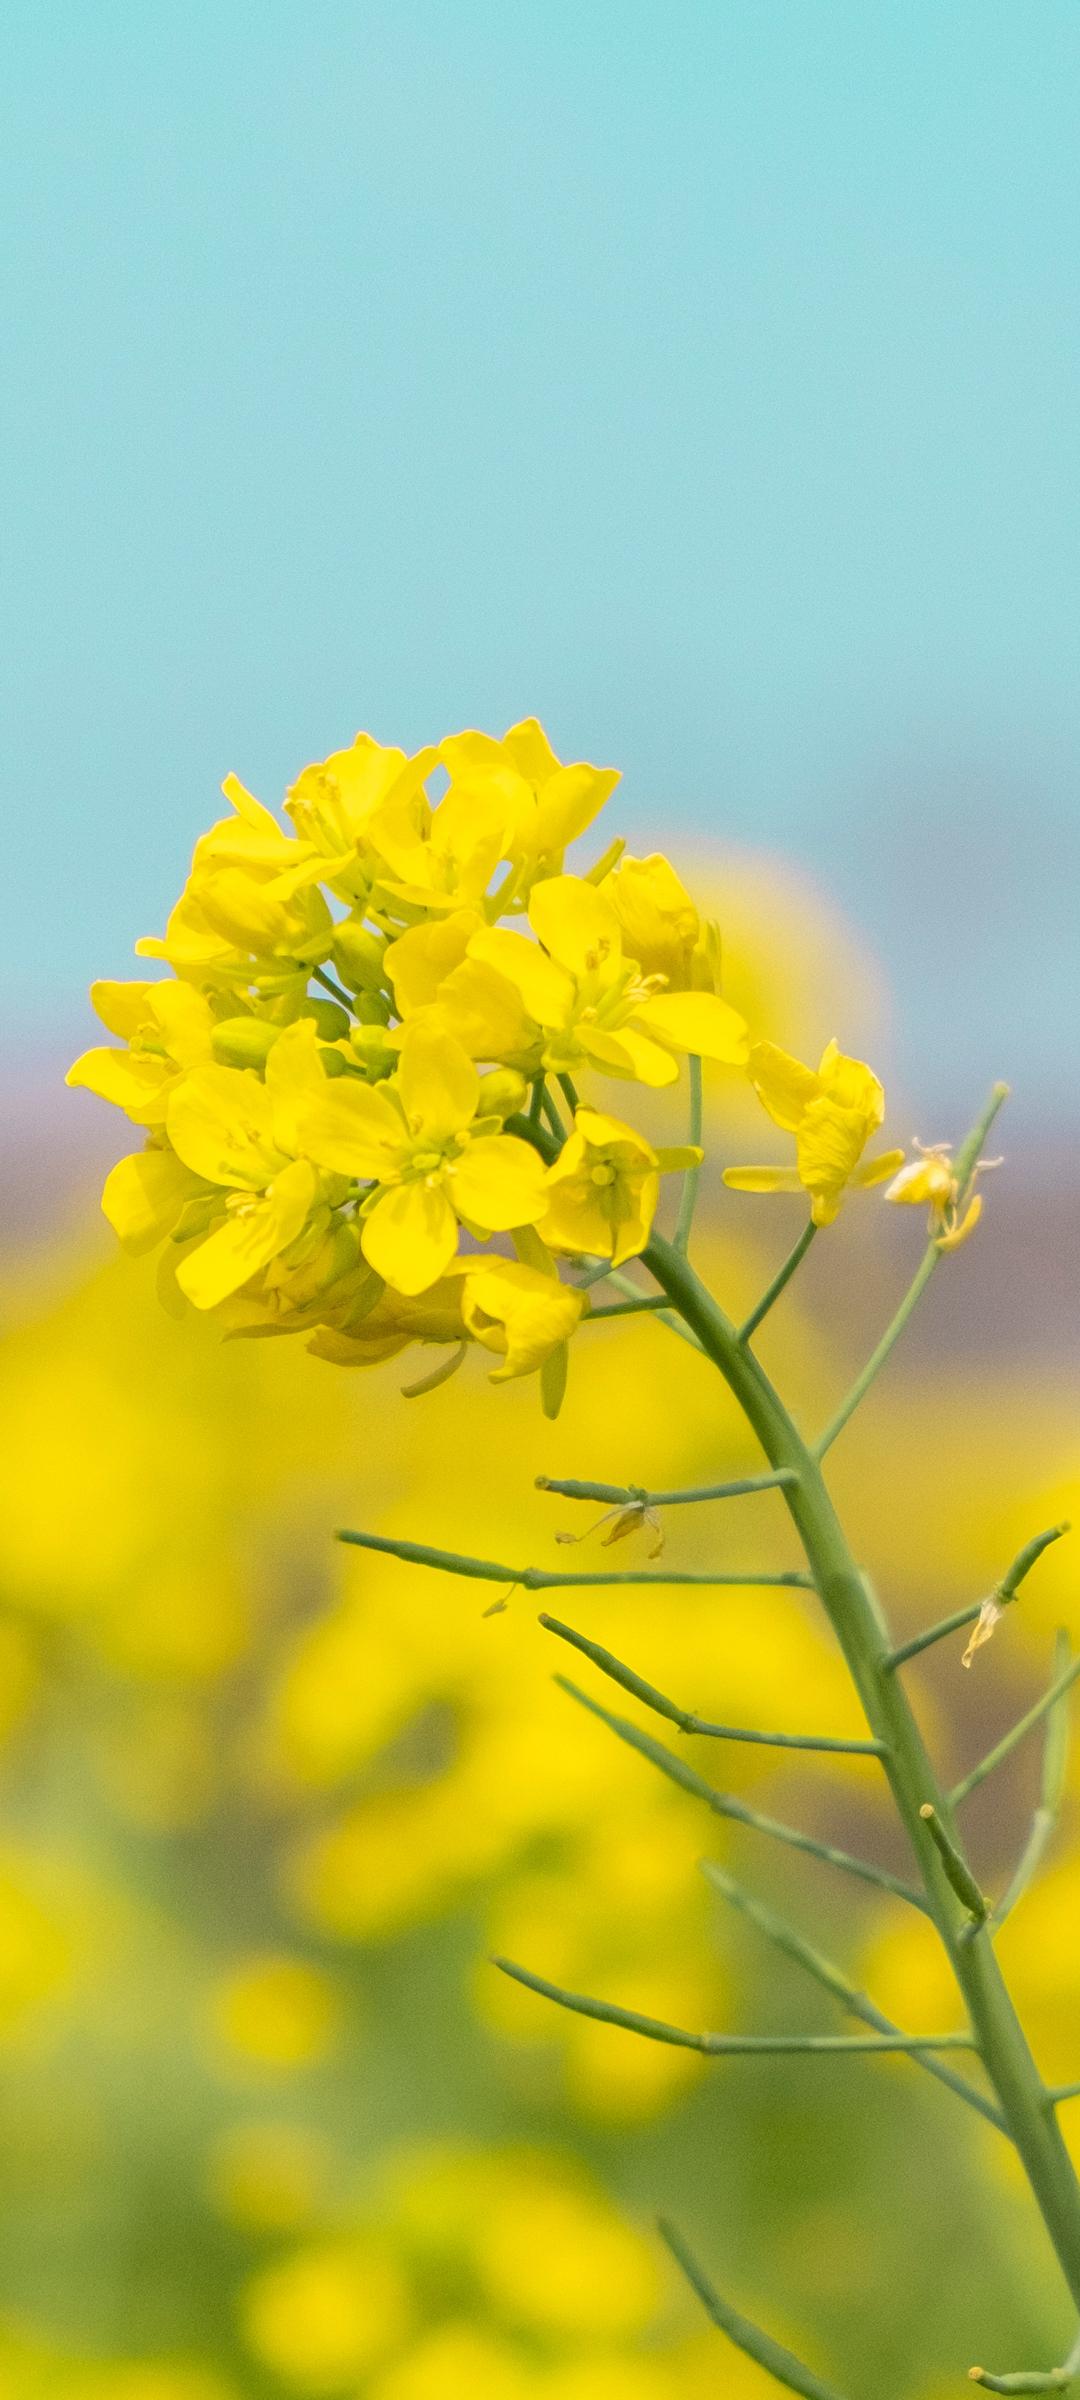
(863, 1636)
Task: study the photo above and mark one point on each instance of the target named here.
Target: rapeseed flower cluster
(349, 1082)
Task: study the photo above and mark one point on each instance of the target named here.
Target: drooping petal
(438, 1082)
(499, 1182)
(348, 1127)
(519, 1313)
(696, 1022)
(411, 1236)
(783, 1085)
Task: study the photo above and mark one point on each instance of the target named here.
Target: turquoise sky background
(704, 378)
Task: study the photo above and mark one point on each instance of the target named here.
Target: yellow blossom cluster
(350, 1081)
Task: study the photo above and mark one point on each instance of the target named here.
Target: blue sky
(703, 378)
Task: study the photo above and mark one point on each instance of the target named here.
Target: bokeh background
(704, 380)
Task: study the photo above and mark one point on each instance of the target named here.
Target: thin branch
(320, 975)
(785, 1938)
(1063, 2091)
(692, 1175)
(729, 2045)
(626, 1495)
(539, 1579)
(551, 1111)
(685, 1719)
(1004, 1749)
(956, 1866)
(781, 1278)
(628, 1308)
(781, 2364)
(934, 1633)
(1002, 1596)
(569, 1092)
(724, 1804)
(1054, 2379)
(1051, 1794)
(965, 1164)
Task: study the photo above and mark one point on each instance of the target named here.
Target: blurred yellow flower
(267, 2177)
(277, 2012)
(832, 1112)
(325, 2314)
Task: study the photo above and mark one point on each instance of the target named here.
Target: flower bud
(375, 1051)
(330, 1020)
(502, 1093)
(358, 957)
(243, 1041)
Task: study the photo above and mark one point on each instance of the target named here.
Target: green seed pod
(502, 1093)
(243, 1041)
(358, 957)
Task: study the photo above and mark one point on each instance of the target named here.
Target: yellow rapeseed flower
(832, 1114)
(603, 1188)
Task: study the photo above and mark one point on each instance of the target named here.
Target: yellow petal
(922, 1183)
(638, 1199)
(498, 1183)
(629, 1055)
(697, 1022)
(122, 1007)
(186, 1020)
(348, 1127)
(527, 747)
(577, 926)
(220, 1122)
(875, 1170)
(783, 1085)
(546, 989)
(829, 1145)
(485, 1012)
(144, 1195)
(519, 1313)
(136, 1084)
(421, 959)
(853, 1085)
(250, 1237)
(411, 1236)
(967, 1224)
(602, 1132)
(762, 1179)
(437, 1081)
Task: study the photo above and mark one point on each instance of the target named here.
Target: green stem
(538, 1579)
(319, 975)
(781, 2364)
(864, 1639)
(966, 1162)
(739, 1812)
(785, 1938)
(627, 1494)
(934, 1633)
(1051, 1795)
(782, 1277)
(1004, 1749)
(730, 2045)
(692, 1175)
(647, 1693)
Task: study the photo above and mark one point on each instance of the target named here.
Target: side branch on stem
(1051, 1794)
(730, 2045)
(1062, 1683)
(684, 1718)
(781, 2364)
(724, 1804)
(967, 1160)
(540, 1579)
(1003, 1594)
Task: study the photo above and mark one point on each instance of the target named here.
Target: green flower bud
(374, 1050)
(330, 1021)
(243, 1041)
(502, 1093)
(358, 957)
